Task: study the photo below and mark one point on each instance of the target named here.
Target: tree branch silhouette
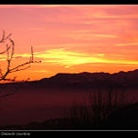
(9, 57)
(9, 51)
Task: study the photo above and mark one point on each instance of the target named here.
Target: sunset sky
(72, 38)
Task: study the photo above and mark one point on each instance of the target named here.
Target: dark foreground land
(111, 102)
(125, 118)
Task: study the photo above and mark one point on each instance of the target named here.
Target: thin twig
(4, 37)
(10, 56)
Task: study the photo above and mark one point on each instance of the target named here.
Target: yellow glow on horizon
(61, 60)
(70, 58)
(67, 58)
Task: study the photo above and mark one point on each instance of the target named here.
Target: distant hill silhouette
(87, 80)
(95, 80)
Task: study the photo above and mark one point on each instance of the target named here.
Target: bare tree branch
(4, 37)
(5, 50)
(32, 58)
(9, 51)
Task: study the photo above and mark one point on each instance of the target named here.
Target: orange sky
(72, 38)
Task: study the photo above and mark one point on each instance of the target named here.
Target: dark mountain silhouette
(95, 80)
(86, 80)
